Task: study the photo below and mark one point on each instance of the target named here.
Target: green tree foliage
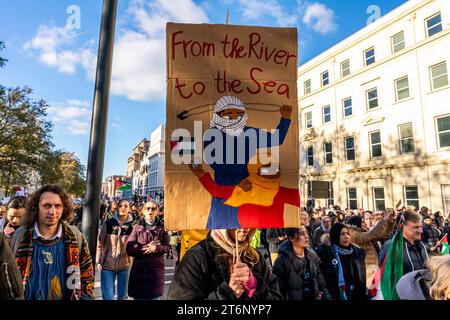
(25, 140)
(67, 171)
(2, 60)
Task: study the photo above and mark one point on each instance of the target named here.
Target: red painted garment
(251, 215)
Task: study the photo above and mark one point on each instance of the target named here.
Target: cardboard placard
(229, 89)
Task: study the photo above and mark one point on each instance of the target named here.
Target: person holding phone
(148, 243)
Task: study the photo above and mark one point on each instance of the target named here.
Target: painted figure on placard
(232, 143)
(260, 202)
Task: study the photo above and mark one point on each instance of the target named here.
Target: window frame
(322, 78)
(344, 108)
(352, 199)
(325, 114)
(438, 132)
(393, 45)
(371, 145)
(427, 29)
(397, 99)
(325, 152)
(306, 120)
(400, 138)
(309, 156)
(346, 150)
(367, 58)
(368, 100)
(375, 199)
(406, 199)
(305, 87)
(430, 68)
(342, 69)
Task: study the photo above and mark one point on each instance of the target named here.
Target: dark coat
(272, 237)
(430, 237)
(330, 270)
(10, 280)
(318, 233)
(289, 271)
(414, 255)
(147, 272)
(203, 274)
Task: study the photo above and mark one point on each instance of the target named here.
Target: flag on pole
(384, 282)
(124, 187)
(444, 242)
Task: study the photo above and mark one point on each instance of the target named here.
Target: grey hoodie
(412, 286)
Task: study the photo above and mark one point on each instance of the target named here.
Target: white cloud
(319, 18)
(255, 10)
(72, 116)
(52, 43)
(139, 63)
(139, 66)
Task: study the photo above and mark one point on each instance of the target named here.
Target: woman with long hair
(297, 268)
(224, 267)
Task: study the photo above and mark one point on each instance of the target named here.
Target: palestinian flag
(444, 243)
(384, 282)
(124, 187)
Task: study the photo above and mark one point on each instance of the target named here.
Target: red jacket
(251, 215)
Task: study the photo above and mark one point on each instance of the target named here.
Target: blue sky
(54, 53)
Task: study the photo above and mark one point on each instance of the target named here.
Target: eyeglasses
(151, 208)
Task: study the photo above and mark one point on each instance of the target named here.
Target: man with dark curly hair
(53, 257)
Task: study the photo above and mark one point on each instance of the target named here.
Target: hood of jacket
(409, 286)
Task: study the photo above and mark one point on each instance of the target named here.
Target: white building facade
(375, 114)
(152, 168)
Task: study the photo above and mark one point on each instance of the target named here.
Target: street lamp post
(99, 124)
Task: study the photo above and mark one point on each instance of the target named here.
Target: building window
(375, 144)
(411, 195)
(402, 88)
(326, 111)
(406, 138)
(433, 24)
(345, 68)
(398, 42)
(308, 120)
(378, 198)
(324, 78)
(328, 152)
(438, 75)
(347, 105)
(349, 143)
(307, 86)
(352, 202)
(310, 156)
(372, 98)
(369, 56)
(443, 129)
(446, 197)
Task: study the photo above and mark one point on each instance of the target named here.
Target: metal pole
(98, 125)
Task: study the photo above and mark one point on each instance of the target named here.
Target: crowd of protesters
(334, 254)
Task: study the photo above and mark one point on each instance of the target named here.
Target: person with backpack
(53, 257)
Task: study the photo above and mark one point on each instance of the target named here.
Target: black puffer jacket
(430, 237)
(329, 268)
(290, 271)
(203, 274)
(414, 255)
(10, 280)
